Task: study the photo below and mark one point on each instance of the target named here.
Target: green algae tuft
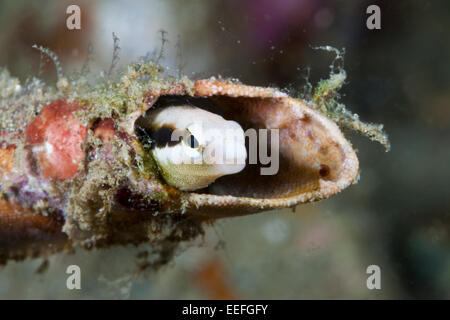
(325, 97)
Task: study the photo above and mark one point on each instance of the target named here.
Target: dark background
(397, 216)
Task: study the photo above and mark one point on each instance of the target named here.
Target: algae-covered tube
(80, 165)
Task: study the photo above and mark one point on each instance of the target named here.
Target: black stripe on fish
(162, 136)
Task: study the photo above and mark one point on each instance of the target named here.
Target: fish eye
(191, 141)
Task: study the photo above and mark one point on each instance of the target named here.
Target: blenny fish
(124, 160)
(193, 147)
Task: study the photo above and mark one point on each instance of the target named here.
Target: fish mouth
(300, 155)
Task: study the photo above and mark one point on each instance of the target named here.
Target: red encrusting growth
(7, 158)
(58, 136)
(105, 130)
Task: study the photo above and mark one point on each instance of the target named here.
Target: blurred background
(396, 217)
